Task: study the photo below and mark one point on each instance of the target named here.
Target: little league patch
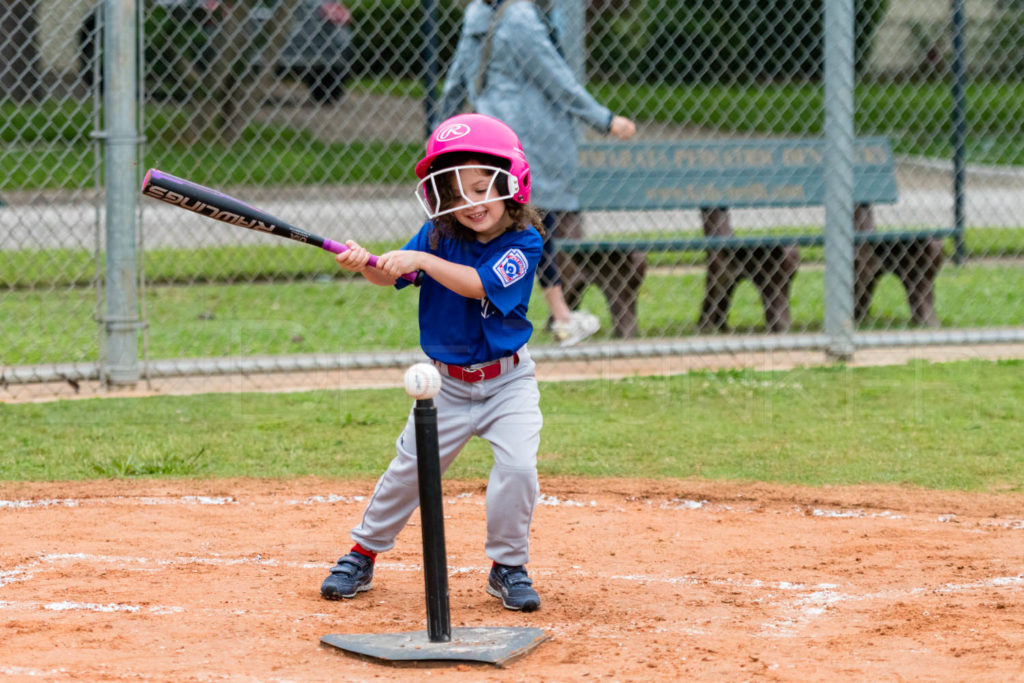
(511, 267)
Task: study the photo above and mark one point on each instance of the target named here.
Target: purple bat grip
(337, 248)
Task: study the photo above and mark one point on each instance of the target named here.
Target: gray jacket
(530, 87)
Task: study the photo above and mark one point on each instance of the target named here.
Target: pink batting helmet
(483, 134)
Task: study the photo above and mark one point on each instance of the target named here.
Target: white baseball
(422, 380)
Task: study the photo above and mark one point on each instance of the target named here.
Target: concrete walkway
(36, 226)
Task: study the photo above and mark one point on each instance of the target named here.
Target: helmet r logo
(452, 132)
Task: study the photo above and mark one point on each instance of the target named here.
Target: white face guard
(430, 199)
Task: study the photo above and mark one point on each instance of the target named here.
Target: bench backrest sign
(728, 173)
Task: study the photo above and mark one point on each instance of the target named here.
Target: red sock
(363, 551)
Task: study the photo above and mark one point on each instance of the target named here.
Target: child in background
(508, 64)
(478, 253)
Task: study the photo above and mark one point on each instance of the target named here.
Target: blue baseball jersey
(462, 331)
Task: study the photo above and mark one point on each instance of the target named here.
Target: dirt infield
(640, 580)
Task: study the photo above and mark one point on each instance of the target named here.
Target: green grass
(943, 426)
(915, 116)
(965, 298)
(60, 268)
(337, 316)
(49, 146)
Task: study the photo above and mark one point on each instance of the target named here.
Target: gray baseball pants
(504, 411)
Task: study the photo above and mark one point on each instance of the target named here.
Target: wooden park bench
(713, 176)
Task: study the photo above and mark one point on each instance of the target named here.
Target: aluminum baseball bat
(208, 202)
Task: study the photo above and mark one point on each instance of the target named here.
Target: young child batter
(478, 253)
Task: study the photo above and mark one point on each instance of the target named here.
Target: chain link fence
(703, 235)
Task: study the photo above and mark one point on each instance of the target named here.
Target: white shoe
(580, 326)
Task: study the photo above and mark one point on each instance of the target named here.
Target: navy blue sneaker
(514, 587)
(352, 574)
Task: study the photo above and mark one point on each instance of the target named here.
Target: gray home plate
(492, 645)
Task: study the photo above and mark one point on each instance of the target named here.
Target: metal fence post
(121, 318)
(959, 125)
(839, 151)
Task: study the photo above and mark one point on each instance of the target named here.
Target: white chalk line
(22, 573)
(129, 608)
(328, 499)
(116, 500)
(71, 606)
(28, 672)
(818, 602)
(681, 504)
(105, 670)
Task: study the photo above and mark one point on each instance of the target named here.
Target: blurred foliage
(648, 40)
(718, 41)
(177, 47)
(387, 37)
(1006, 41)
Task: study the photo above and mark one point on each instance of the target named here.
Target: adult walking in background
(508, 65)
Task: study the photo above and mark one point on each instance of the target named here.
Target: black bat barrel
(435, 560)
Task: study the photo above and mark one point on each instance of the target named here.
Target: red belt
(482, 372)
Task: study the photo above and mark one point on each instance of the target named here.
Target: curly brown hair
(523, 216)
